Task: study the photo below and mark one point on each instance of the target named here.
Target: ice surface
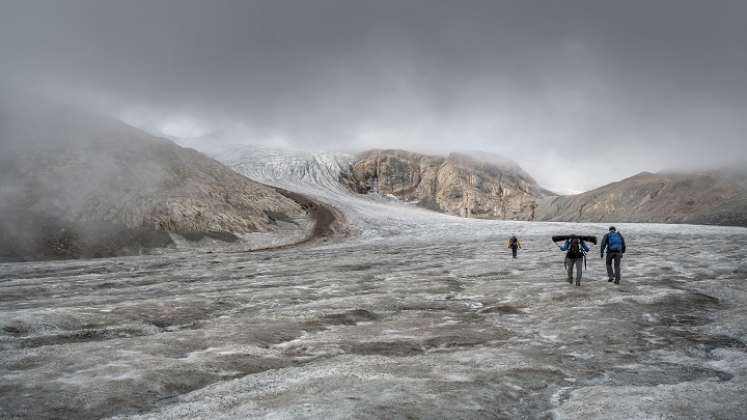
(419, 315)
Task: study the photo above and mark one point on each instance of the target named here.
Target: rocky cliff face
(716, 197)
(482, 187)
(457, 184)
(73, 184)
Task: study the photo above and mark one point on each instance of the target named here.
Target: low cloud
(580, 93)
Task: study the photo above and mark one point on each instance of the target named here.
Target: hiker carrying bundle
(576, 249)
(615, 244)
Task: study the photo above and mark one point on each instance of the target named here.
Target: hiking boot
(617, 282)
(609, 280)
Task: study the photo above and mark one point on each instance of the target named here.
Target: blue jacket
(567, 245)
(605, 242)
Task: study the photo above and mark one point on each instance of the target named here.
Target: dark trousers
(579, 263)
(514, 250)
(614, 258)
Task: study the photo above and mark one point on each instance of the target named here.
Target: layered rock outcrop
(486, 187)
(458, 184)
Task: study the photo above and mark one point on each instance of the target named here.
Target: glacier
(414, 314)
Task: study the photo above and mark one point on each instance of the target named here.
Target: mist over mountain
(581, 93)
(74, 183)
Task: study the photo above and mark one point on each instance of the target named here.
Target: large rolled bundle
(589, 238)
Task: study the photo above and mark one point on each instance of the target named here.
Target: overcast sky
(578, 93)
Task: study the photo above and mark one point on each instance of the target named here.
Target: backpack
(575, 250)
(614, 242)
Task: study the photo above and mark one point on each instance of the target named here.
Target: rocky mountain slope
(74, 184)
(714, 197)
(490, 187)
(458, 184)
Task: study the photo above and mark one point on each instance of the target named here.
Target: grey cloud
(578, 92)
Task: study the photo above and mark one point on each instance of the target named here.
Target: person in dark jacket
(514, 244)
(615, 244)
(576, 252)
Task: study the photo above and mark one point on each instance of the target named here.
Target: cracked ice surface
(420, 316)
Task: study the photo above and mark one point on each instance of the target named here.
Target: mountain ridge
(473, 187)
(710, 197)
(75, 184)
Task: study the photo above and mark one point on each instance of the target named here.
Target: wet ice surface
(433, 329)
(420, 316)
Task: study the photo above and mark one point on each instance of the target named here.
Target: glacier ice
(416, 315)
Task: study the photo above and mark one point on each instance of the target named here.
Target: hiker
(576, 254)
(514, 244)
(615, 244)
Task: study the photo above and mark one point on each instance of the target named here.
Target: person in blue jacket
(576, 252)
(615, 244)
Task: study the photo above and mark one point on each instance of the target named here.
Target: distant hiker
(576, 254)
(514, 244)
(615, 244)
